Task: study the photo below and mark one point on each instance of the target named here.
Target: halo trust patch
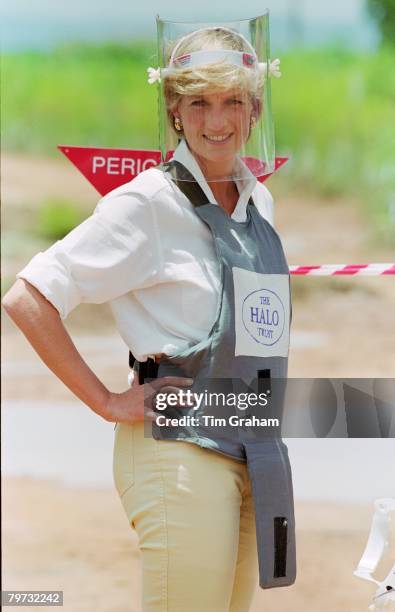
(262, 313)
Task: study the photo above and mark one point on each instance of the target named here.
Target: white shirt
(146, 252)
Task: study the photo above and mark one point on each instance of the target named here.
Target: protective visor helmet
(214, 93)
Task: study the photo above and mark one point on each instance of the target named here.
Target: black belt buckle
(147, 369)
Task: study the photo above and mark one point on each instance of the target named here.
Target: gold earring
(253, 122)
(177, 124)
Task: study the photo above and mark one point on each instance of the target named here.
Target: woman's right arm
(106, 256)
(40, 322)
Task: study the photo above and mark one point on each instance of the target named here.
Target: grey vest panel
(247, 252)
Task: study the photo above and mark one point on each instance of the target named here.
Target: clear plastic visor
(215, 97)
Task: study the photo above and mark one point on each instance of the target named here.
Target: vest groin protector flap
(214, 92)
(270, 473)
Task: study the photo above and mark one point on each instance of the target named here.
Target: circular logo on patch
(264, 316)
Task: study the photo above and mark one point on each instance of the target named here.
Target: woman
(179, 253)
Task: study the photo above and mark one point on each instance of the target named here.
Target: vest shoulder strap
(186, 183)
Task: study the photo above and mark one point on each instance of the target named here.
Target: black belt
(145, 369)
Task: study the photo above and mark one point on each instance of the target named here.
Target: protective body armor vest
(248, 345)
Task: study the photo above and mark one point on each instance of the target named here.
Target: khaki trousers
(194, 516)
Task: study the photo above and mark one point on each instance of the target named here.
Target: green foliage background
(334, 113)
(383, 11)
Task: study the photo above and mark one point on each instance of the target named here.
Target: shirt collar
(245, 186)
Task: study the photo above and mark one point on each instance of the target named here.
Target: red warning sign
(106, 169)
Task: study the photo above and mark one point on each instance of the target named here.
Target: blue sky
(43, 23)
(312, 10)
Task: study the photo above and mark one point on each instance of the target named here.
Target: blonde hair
(218, 76)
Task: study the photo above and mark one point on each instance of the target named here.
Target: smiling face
(216, 125)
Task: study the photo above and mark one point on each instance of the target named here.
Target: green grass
(78, 95)
(334, 113)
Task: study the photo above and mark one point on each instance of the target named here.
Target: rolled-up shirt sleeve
(112, 252)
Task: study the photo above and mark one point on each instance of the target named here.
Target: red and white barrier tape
(374, 269)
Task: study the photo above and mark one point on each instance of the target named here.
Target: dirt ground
(77, 539)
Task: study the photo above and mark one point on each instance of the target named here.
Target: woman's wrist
(100, 401)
